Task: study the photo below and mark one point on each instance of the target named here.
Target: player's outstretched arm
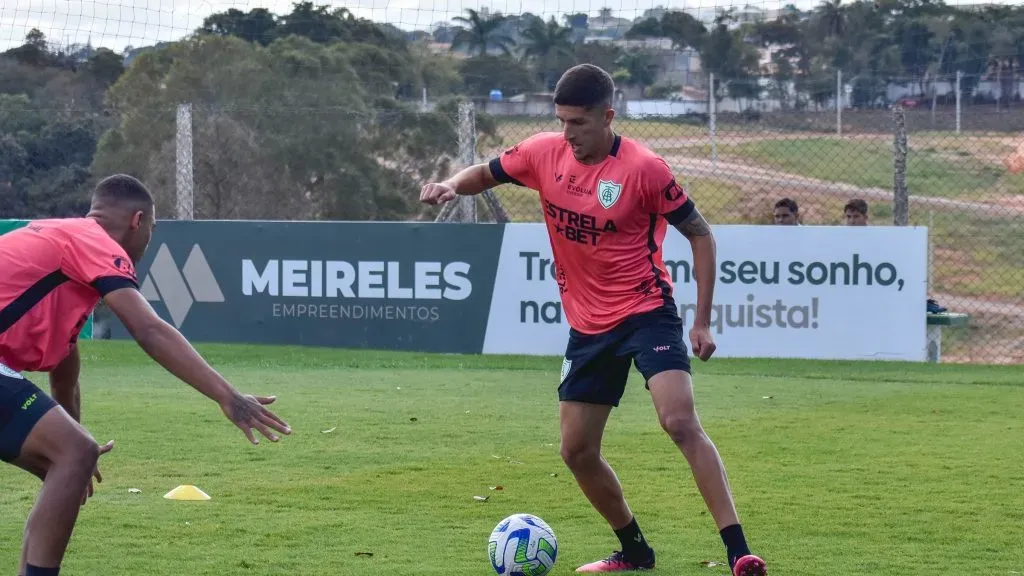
(171, 350)
(702, 242)
(467, 182)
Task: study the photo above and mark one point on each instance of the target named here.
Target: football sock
(31, 570)
(634, 545)
(735, 543)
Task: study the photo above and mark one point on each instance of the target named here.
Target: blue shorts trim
(22, 405)
(596, 366)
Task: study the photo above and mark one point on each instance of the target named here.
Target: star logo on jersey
(180, 289)
(608, 193)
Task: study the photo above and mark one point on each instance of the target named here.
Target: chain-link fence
(318, 115)
(740, 166)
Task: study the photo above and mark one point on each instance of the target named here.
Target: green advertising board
(381, 285)
(8, 225)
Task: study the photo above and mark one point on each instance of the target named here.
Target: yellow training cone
(187, 492)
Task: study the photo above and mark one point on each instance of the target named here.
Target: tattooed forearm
(694, 225)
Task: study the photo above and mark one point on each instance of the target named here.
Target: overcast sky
(119, 23)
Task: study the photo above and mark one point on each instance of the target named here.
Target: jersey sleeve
(98, 262)
(663, 194)
(518, 164)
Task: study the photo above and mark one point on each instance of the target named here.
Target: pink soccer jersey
(54, 273)
(606, 223)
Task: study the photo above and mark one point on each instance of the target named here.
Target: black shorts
(22, 405)
(596, 366)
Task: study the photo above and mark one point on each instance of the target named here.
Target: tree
(34, 52)
(258, 25)
(321, 24)
(637, 68)
(481, 74)
(50, 121)
(830, 19)
(600, 54)
(105, 67)
(548, 46)
(684, 30)
(724, 52)
(438, 73)
(646, 28)
(292, 130)
(480, 34)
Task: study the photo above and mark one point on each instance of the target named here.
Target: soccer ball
(522, 545)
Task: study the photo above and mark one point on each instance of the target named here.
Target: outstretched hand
(96, 472)
(247, 412)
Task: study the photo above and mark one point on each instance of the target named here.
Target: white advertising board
(828, 292)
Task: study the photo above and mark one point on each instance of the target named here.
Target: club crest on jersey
(608, 193)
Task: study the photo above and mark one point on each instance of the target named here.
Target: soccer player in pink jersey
(607, 202)
(54, 274)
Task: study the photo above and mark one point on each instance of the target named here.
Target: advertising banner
(782, 291)
(424, 287)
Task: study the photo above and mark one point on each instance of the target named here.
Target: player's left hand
(247, 412)
(96, 472)
(702, 343)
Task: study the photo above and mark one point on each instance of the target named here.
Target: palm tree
(549, 47)
(481, 33)
(640, 67)
(541, 40)
(832, 18)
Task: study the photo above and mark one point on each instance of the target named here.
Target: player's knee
(682, 427)
(80, 453)
(579, 454)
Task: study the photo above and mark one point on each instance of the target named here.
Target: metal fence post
(184, 199)
(467, 155)
(839, 102)
(900, 198)
(959, 75)
(712, 101)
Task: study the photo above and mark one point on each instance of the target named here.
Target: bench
(935, 323)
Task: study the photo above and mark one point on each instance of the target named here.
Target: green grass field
(838, 467)
(930, 171)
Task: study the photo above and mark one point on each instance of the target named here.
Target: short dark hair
(857, 205)
(788, 203)
(586, 86)
(124, 189)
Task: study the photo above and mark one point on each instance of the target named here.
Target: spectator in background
(856, 212)
(786, 212)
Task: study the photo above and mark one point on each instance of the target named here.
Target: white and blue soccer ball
(522, 545)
